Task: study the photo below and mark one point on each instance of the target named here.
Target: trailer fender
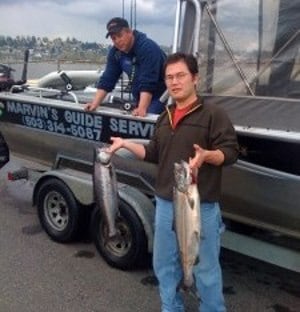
(81, 186)
(144, 208)
(78, 182)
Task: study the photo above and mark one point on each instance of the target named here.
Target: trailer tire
(58, 211)
(127, 251)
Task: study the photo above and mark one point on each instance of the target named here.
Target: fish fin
(191, 202)
(185, 285)
(182, 286)
(190, 290)
(193, 291)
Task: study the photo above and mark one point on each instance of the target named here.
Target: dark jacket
(146, 57)
(206, 125)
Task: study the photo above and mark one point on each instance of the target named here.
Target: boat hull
(46, 129)
(40, 128)
(262, 197)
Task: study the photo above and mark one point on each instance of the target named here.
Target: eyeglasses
(179, 77)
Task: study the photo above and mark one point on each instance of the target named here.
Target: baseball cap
(115, 25)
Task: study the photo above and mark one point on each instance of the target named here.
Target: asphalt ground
(37, 274)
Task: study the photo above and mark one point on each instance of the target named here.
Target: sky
(84, 20)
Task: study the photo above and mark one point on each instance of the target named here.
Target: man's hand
(90, 106)
(199, 158)
(117, 143)
(99, 97)
(143, 104)
(136, 148)
(215, 157)
(139, 111)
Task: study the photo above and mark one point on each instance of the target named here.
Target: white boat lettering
(65, 122)
(131, 127)
(54, 114)
(83, 119)
(27, 109)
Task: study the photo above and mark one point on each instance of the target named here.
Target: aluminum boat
(249, 64)
(252, 72)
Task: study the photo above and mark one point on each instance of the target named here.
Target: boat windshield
(246, 47)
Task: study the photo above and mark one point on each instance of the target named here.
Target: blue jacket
(143, 65)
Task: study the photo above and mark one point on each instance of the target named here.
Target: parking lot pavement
(37, 274)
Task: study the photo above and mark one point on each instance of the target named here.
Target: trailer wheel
(58, 211)
(129, 249)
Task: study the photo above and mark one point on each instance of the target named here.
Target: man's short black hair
(115, 25)
(188, 59)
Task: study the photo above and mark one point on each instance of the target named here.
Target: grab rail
(41, 90)
(177, 27)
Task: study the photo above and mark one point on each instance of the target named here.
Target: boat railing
(187, 30)
(112, 100)
(44, 92)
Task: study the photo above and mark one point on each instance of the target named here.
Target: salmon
(106, 189)
(187, 220)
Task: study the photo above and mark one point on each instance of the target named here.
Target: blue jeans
(166, 261)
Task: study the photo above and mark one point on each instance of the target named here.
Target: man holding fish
(191, 142)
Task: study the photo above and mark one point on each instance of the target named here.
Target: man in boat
(201, 134)
(141, 59)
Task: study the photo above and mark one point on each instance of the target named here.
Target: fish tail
(188, 282)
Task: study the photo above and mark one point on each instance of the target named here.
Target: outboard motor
(6, 77)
